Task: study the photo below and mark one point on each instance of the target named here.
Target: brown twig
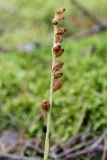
(35, 148)
(76, 139)
(75, 148)
(94, 29)
(92, 148)
(86, 12)
(14, 157)
(98, 27)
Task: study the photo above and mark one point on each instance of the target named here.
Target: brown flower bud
(58, 74)
(46, 105)
(60, 31)
(58, 65)
(57, 85)
(55, 21)
(59, 52)
(60, 10)
(56, 46)
(58, 39)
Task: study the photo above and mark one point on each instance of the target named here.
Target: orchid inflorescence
(56, 72)
(57, 51)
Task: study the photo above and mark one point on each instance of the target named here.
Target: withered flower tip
(58, 65)
(59, 52)
(55, 21)
(46, 105)
(58, 74)
(60, 10)
(60, 31)
(57, 85)
(58, 39)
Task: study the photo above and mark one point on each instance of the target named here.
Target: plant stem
(46, 150)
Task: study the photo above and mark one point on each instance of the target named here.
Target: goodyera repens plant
(56, 72)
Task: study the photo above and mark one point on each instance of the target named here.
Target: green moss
(23, 21)
(24, 83)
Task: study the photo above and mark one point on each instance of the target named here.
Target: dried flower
(58, 16)
(59, 52)
(58, 39)
(56, 46)
(58, 74)
(60, 11)
(55, 21)
(58, 65)
(57, 85)
(46, 105)
(60, 31)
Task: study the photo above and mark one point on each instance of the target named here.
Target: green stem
(46, 150)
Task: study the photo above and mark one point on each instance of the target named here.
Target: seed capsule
(55, 21)
(46, 105)
(60, 10)
(57, 85)
(59, 52)
(56, 46)
(58, 74)
(58, 65)
(60, 31)
(58, 39)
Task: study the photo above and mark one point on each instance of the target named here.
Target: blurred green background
(25, 76)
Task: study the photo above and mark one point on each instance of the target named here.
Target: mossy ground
(24, 83)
